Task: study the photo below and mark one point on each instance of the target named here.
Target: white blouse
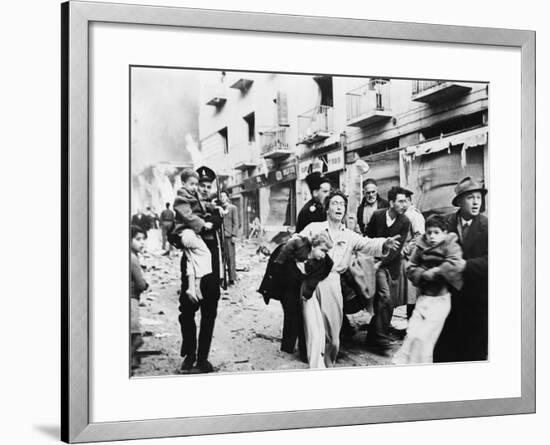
(345, 241)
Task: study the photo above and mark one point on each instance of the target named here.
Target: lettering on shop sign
(335, 161)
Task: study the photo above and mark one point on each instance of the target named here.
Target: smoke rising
(164, 105)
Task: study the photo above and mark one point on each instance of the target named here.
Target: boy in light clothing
(435, 267)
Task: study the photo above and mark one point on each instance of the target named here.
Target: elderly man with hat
(371, 202)
(465, 334)
(210, 288)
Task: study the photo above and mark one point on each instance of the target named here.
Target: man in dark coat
(167, 218)
(371, 202)
(210, 289)
(314, 210)
(465, 334)
(387, 223)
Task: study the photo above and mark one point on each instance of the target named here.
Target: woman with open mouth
(323, 313)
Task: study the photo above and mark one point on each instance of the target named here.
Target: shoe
(205, 366)
(378, 348)
(187, 364)
(287, 349)
(347, 330)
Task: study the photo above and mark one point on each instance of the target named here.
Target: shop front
(432, 169)
(278, 200)
(269, 197)
(329, 164)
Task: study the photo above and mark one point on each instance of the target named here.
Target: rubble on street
(247, 332)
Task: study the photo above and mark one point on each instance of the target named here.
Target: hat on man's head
(206, 174)
(467, 185)
(408, 193)
(315, 179)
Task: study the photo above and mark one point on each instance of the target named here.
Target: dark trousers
(464, 336)
(230, 258)
(166, 228)
(379, 327)
(210, 288)
(293, 325)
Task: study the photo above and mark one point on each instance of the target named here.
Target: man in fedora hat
(465, 334)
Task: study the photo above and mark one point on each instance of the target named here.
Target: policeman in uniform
(314, 210)
(210, 288)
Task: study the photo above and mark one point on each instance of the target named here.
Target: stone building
(264, 133)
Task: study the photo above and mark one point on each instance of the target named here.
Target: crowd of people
(437, 267)
(328, 268)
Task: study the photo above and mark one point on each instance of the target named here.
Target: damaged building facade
(264, 133)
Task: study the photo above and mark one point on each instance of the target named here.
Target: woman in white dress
(323, 313)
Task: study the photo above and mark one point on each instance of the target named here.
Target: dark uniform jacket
(465, 334)
(381, 204)
(377, 228)
(312, 211)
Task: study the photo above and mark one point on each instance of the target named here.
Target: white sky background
(164, 110)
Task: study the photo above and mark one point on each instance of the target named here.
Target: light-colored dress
(323, 312)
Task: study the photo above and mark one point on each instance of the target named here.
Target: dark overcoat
(381, 203)
(465, 334)
(378, 228)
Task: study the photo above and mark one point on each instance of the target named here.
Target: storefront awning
(469, 138)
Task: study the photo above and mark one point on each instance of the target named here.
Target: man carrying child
(435, 267)
(195, 228)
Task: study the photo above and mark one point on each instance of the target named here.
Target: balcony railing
(274, 143)
(423, 85)
(316, 124)
(369, 103)
(432, 91)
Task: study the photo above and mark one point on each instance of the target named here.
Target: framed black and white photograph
(269, 211)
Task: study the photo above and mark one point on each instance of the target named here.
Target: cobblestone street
(247, 331)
